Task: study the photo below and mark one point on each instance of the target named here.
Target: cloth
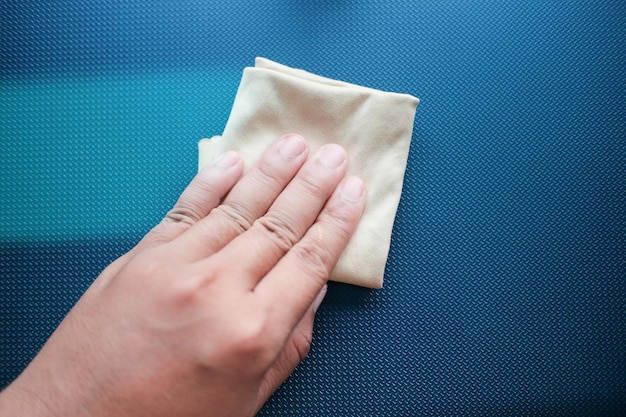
(374, 127)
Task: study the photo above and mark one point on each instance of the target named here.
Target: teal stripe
(87, 156)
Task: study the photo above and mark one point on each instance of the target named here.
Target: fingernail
(227, 160)
(319, 298)
(332, 156)
(352, 189)
(293, 146)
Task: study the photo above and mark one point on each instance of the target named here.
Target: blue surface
(505, 291)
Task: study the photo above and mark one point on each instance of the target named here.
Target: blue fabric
(505, 291)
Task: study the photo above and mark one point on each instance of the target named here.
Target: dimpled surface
(505, 288)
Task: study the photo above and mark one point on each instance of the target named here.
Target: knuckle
(268, 175)
(250, 340)
(302, 345)
(184, 213)
(279, 231)
(195, 202)
(312, 184)
(339, 220)
(314, 259)
(249, 336)
(149, 263)
(235, 214)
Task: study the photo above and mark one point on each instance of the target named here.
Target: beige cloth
(373, 126)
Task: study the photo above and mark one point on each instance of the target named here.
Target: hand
(214, 308)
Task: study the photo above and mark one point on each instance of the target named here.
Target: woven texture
(505, 289)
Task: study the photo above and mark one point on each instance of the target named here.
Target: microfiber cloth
(374, 127)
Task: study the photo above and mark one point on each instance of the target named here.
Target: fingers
(248, 200)
(288, 219)
(291, 286)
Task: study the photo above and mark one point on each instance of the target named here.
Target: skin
(214, 308)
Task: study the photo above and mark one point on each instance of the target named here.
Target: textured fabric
(373, 126)
(505, 286)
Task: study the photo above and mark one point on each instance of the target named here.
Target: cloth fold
(374, 126)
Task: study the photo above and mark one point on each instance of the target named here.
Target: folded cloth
(373, 126)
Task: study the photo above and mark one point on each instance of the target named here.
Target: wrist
(47, 387)
(19, 401)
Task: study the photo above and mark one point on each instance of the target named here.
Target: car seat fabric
(505, 287)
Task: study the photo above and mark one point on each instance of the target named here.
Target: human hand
(214, 308)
